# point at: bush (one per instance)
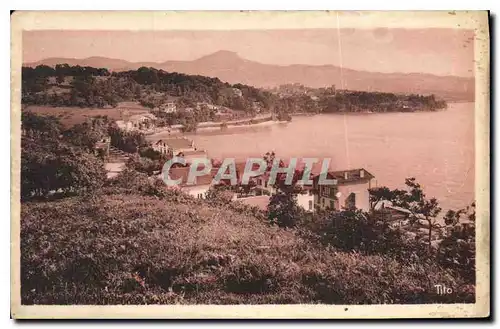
(136, 249)
(50, 166)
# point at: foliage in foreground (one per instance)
(157, 246)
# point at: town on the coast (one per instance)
(99, 225)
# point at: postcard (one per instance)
(246, 164)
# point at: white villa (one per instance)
(168, 107)
(137, 122)
(174, 146)
(350, 190)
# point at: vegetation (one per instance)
(415, 201)
(97, 88)
(127, 141)
(132, 240)
(299, 99)
(140, 243)
(78, 86)
(52, 163)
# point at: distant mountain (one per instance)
(230, 67)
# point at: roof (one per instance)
(177, 143)
(240, 169)
(386, 204)
(353, 175)
(183, 173)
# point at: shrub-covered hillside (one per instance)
(131, 248)
(75, 86)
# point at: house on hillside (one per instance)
(209, 106)
(257, 107)
(237, 92)
(168, 107)
(143, 121)
(261, 187)
(306, 199)
(160, 146)
(201, 185)
(349, 190)
(125, 125)
(174, 146)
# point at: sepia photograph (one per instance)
(250, 164)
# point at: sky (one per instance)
(434, 51)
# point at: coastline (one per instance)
(258, 122)
(216, 126)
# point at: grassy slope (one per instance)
(131, 249)
(69, 116)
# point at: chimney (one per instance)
(362, 173)
(346, 175)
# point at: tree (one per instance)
(383, 193)
(127, 141)
(220, 193)
(88, 133)
(283, 208)
(457, 250)
(33, 124)
(50, 166)
(60, 79)
(414, 200)
(144, 165)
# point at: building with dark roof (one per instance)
(174, 146)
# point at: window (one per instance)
(350, 201)
(310, 204)
(325, 191)
(332, 204)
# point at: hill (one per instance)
(126, 248)
(230, 67)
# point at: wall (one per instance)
(360, 189)
(182, 149)
(362, 195)
(303, 201)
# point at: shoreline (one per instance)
(262, 122)
(214, 127)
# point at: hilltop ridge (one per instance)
(230, 67)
